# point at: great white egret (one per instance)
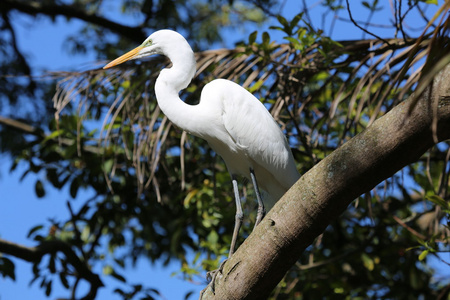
(235, 123)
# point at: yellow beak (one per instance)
(127, 56)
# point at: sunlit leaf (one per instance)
(368, 262)
(439, 201)
(108, 270)
(423, 254)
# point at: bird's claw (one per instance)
(211, 277)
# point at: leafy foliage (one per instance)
(160, 193)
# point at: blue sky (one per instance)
(43, 41)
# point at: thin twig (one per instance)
(363, 29)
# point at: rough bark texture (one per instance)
(322, 194)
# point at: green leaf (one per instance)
(34, 229)
(48, 288)
(296, 20)
(256, 86)
(423, 254)
(430, 1)
(39, 189)
(276, 28)
(74, 187)
(213, 237)
(85, 233)
(53, 178)
(439, 201)
(126, 84)
(7, 268)
(63, 279)
(283, 21)
(53, 135)
(265, 38)
(188, 199)
(51, 264)
(295, 43)
(368, 262)
(108, 270)
(118, 276)
(107, 165)
(285, 24)
(252, 37)
(120, 262)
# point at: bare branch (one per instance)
(34, 255)
(135, 34)
(19, 126)
(363, 29)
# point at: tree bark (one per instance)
(393, 141)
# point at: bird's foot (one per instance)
(259, 216)
(211, 277)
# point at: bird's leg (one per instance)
(261, 210)
(238, 217)
(237, 225)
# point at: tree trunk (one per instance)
(322, 194)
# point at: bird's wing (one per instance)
(254, 130)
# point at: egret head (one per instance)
(159, 42)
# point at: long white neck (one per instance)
(168, 85)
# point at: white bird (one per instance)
(235, 123)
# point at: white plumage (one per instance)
(236, 124)
(246, 136)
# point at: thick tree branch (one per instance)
(322, 194)
(35, 254)
(135, 34)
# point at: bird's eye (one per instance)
(148, 43)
